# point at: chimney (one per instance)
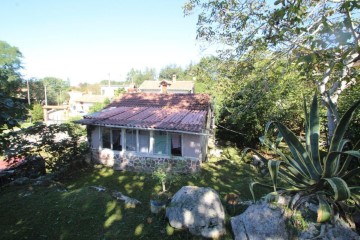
(174, 77)
(163, 86)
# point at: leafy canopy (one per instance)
(13, 110)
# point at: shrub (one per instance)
(166, 174)
(59, 145)
(313, 175)
(36, 113)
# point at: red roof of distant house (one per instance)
(181, 112)
(14, 161)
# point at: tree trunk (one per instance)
(163, 186)
(331, 124)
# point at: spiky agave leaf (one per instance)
(294, 144)
(299, 153)
(351, 173)
(294, 178)
(273, 166)
(349, 158)
(278, 140)
(339, 187)
(253, 183)
(336, 164)
(272, 197)
(355, 194)
(331, 160)
(246, 150)
(314, 135)
(266, 142)
(324, 210)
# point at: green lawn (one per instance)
(73, 210)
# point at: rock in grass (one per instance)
(260, 221)
(129, 202)
(20, 181)
(199, 210)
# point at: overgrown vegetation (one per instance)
(312, 173)
(73, 210)
(59, 145)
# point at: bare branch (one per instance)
(354, 33)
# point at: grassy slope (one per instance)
(80, 212)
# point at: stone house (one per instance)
(138, 131)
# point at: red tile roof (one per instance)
(182, 112)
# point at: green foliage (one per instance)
(93, 88)
(13, 111)
(320, 37)
(80, 212)
(119, 91)
(253, 93)
(323, 176)
(168, 71)
(10, 65)
(59, 145)
(56, 90)
(137, 77)
(166, 174)
(98, 106)
(349, 96)
(36, 112)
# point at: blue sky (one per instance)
(85, 40)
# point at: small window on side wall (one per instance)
(175, 141)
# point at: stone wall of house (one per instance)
(136, 163)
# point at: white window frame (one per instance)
(151, 142)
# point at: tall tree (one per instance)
(206, 74)
(137, 77)
(56, 90)
(12, 109)
(168, 71)
(251, 95)
(321, 36)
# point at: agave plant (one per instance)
(312, 174)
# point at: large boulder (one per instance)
(199, 210)
(260, 221)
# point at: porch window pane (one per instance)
(144, 141)
(160, 142)
(130, 140)
(116, 140)
(175, 144)
(106, 138)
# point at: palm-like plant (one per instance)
(311, 174)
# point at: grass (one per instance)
(73, 210)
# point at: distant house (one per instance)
(166, 86)
(110, 91)
(55, 114)
(80, 103)
(138, 131)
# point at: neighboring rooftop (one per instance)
(90, 98)
(178, 112)
(172, 86)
